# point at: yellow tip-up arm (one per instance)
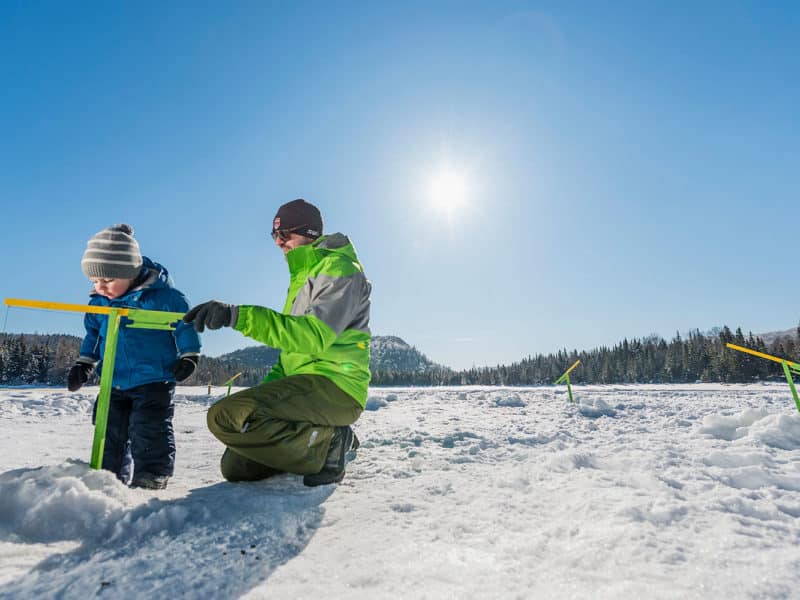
(82, 308)
(793, 365)
(143, 319)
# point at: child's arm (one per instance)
(89, 354)
(90, 348)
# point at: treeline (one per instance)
(698, 357)
(33, 359)
(36, 359)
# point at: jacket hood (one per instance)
(157, 276)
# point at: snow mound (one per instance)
(733, 427)
(65, 502)
(235, 535)
(73, 502)
(573, 461)
(731, 460)
(512, 401)
(35, 403)
(759, 478)
(659, 513)
(778, 431)
(595, 408)
(374, 403)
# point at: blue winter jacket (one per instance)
(143, 355)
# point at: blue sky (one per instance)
(629, 167)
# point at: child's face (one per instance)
(111, 288)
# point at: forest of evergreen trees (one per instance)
(32, 359)
(697, 357)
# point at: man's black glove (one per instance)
(78, 375)
(184, 367)
(213, 315)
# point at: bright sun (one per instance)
(448, 191)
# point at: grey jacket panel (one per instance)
(340, 302)
(333, 241)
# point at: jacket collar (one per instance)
(302, 258)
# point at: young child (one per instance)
(148, 361)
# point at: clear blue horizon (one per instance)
(517, 177)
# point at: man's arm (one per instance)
(329, 310)
(306, 334)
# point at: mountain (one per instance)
(771, 336)
(254, 357)
(387, 352)
(768, 337)
(391, 353)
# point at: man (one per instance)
(298, 419)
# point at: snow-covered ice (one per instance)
(645, 491)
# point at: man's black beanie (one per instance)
(299, 216)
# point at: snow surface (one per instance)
(689, 491)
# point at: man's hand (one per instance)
(78, 375)
(213, 315)
(184, 367)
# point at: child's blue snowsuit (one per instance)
(141, 408)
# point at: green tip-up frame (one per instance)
(789, 367)
(138, 318)
(565, 379)
(230, 381)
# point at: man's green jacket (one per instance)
(324, 327)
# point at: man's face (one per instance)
(290, 241)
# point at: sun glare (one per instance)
(448, 191)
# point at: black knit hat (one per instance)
(300, 217)
(113, 254)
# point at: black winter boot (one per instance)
(149, 481)
(343, 442)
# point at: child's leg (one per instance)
(116, 456)
(126, 470)
(151, 433)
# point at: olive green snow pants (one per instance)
(283, 425)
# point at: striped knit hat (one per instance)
(112, 254)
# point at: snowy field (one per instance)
(689, 491)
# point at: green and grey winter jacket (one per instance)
(324, 327)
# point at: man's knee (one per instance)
(223, 417)
(212, 419)
(229, 414)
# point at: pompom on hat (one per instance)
(112, 253)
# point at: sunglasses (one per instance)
(285, 234)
